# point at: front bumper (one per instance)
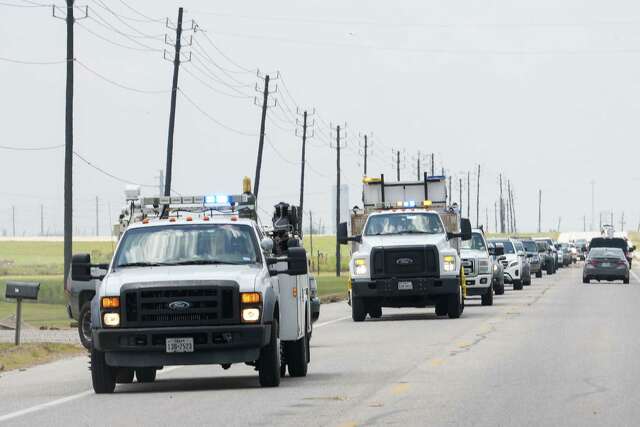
(535, 267)
(512, 274)
(478, 285)
(143, 347)
(388, 288)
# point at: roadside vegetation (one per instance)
(26, 355)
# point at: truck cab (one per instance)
(478, 267)
(406, 250)
(193, 280)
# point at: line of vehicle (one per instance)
(62, 401)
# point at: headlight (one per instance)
(360, 266)
(484, 266)
(250, 315)
(513, 264)
(449, 263)
(495, 267)
(111, 319)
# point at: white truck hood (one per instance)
(369, 242)
(245, 275)
(472, 253)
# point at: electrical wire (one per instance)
(109, 174)
(120, 85)
(204, 83)
(216, 121)
(211, 60)
(216, 78)
(45, 148)
(282, 157)
(137, 12)
(206, 73)
(231, 61)
(19, 61)
(105, 23)
(89, 30)
(119, 17)
(2, 3)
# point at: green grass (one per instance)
(38, 258)
(38, 315)
(326, 245)
(331, 287)
(12, 357)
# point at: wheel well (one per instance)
(85, 296)
(276, 312)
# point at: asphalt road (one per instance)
(557, 353)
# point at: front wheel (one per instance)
(625, 280)
(84, 325)
(487, 297)
(296, 356)
(455, 305)
(442, 305)
(517, 285)
(539, 274)
(358, 309)
(103, 376)
(269, 362)
(499, 288)
(586, 280)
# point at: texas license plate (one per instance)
(605, 264)
(405, 286)
(179, 345)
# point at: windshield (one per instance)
(508, 246)
(476, 243)
(409, 223)
(530, 246)
(188, 244)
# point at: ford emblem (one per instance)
(179, 305)
(404, 261)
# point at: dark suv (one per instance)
(546, 256)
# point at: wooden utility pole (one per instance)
(469, 194)
(172, 108)
(478, 199)
(265, 100)
(304, 146)
(13, 220)
(502, 212)
(433, 164)
(398, 164)
(68, 145)
(97, 218)
(337, 147)
(460, 183)
(42, 220)
(539, 211)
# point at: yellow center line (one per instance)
(399, 389)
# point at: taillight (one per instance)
(621, 262)
(594, 262)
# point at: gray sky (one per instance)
(544, 91)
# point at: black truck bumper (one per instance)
(424, 291)
(144, 347)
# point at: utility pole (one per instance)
(68, 144)
(539, 211)
(469, 194)
(600, 223)
(513, 210)
(418, 166)
(502, 224)
(478, 199)
(611, 222)
(584, 223)
(311, 234)
(398, 164)
(450, 193)
(622, 222)
(593, 205)
(559, 221)
(495, 216)
(460, 183)
(97, 218)
(486, 213)
(337, 147)
(265, 100)
(13, 220)
(304, 146)
(172, 111)
(433, 164)
(366, 150)
(161, 182)
(42, 220)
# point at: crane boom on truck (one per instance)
(406, 248)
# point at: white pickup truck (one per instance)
(478, 267)
(406, 249)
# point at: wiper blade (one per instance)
(206, 262)
(413, 232)
(142, 264)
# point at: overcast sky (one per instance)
(545, 92)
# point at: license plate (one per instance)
(405, 286)
(179, 345)
(605, 264)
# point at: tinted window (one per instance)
(530, 246)
(508, 246)
(476, 243)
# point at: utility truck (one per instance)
(194, 280)
(406, 248)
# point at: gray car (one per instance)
(606, 264)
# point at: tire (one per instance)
(487, 297)
(517, 285)
(375, 312)
(539, 274)
(586, 280)
(455, 305)
(269, 363)
(124, 375)
(499, 289)
(296, 356)
(84, 325)
(103, 376)
(625, 280)
(358, 309)
(146, 375)
(442, 306)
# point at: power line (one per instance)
(204, 83)
(214, 63)
(2, 3)
(106, 24)
(45, 148)
(216, 121)
(109, 174)
(120, 85)
(225, 56)
(20, 61)
(137, 12)
(95, 34)
(119, 17)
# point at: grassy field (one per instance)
(12, 357)
(38, 315)
(331, 287)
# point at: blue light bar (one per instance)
(217, 200)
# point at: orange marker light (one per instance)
(250, 297)
(145, 221)
(205, 218)
(234, 218)
(189, 218)
(172, 219)
(110, 302)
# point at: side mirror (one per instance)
(83, 271)
(502, 258)
(491, 250)
(297, 261)
(465, 229)
(343, 235)
(267, 245)
(521, 253)
(499, 251)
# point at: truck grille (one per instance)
(469, 267)
(188, 304)
(408, 261)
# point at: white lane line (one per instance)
(331, 322)
(63, 400)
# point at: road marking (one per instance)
(330, 322)
(437, 362)
(399, 389)
(348, 424)
(62, 400)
